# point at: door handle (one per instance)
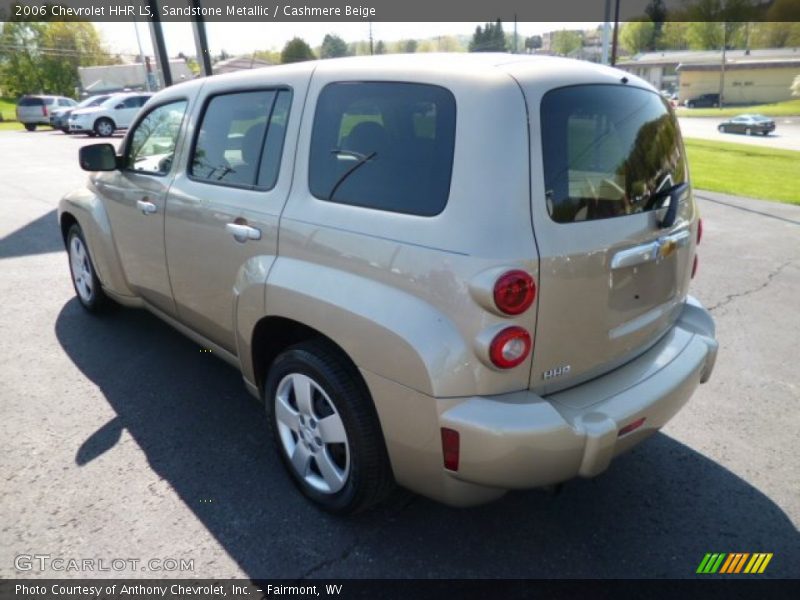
(147, 207)
(242, 233)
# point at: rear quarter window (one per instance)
(608, 150)
(384, 145)
(31, 102)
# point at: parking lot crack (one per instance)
(731, 297)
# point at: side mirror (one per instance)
(98, 157)
(119, 106)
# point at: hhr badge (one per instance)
(557, 372)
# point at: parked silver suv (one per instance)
(463, 274)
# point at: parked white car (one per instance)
(118, 112)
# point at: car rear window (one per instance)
(608, 150)
(384, 145)
(31, 101)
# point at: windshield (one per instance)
(92, 101)
(608, 151)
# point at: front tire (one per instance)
(104, 127)
(84, 277)
(748, 131)
(326, 430)
(722, 129)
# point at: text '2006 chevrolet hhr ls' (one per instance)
(463, 274)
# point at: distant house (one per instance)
(239, 63)
(117, 78)
(750, 76)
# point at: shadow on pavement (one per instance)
(656, 512)
(37, 237)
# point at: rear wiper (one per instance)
(674, 192)
(362, 159)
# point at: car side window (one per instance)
(240, 139)
(153, 141)
(384, 145)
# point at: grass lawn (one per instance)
(8, 108)
(745, 170)
(779, 109)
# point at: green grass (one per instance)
(745, 170)
(779, 109)
(8, 109)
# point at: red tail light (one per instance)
(514, 292)
(450, 448)
(510, 347)
(44, 110)
(699, 230)
(694, 266)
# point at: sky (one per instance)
(244, 38)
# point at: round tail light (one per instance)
(514, 292)
(510, 347)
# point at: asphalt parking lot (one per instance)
(120, 439)
(786, 135)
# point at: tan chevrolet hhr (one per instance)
(463, 274)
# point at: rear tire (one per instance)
(84, 277)
(104, 127)
(30, 126)
(722, 129)
(326, 430)
(748, 131)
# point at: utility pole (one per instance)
(201, 39)
(616, 34)
(141, 56)
(722, 63)
(371, 46)
(606, 31)
(160, 47)
(515, 33)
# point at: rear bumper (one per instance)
(521, 440)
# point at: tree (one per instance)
(380, 47)
(774, 35)
(637, 36)
(566, 42)
(409, 46)
(657, 13)
(533, 42)
(489, 38)
(43, 57)
(333, 47)
(673, 36)
(296, 50)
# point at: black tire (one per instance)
(368, 478)
(104, 127)
(765, 133)
(690, 105)
(95, 300)
(722, 129)
(748, 131)
(30, 126)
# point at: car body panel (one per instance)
(39, 113)
(408, 298)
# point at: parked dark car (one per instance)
(703, 101)
(748, 124)
(59, 119)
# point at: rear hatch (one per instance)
(612, 280)
(33, 109)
